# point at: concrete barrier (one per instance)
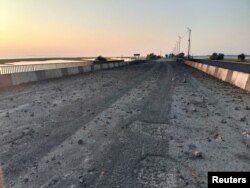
(20, 78)
(97, 67)
(111, 65)
(26, 77)
(236, 78)
(105, 66)
(56, 73)
(73, 71)
(5, 80)
(87, 68)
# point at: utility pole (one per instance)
(179, 44)
(177, 48)
(189, 42)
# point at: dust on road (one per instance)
(158, 124)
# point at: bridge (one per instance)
(143, 124)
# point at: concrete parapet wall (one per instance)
(97, 67)
(105, 66)
(87, 68)
(111, 65)
(239, 79)
(73, 71)
(26, 77)
(19, 78)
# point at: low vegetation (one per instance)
(216, 56)
(152, 56)
(100, 60)
(241, 57)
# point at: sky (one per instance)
(46, 28)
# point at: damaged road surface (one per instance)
(153, 125)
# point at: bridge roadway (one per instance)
(158, 124)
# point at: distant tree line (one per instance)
(241, 57)
(216, 56)
(180, 55)
(152, 56)
(220, 56)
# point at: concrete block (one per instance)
(64, 71)
(247, 87)
(105, 66)
(229, 76)
(87, 68)
(222, 74)
(216, 71)
(5, 80)
(54, 73)
(97, 67)
(73, 70)
(111, 65)
(80, 69)
(40, 75)
(204, 68)
(211, 70)
(24, 77)
(241, 79)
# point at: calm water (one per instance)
(42, 62)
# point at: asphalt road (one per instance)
(235, 66)
(153, 125)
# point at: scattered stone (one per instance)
(245, 133)
(219, 138)
(129, 112)
(247, 108)
(26, 180)
(26, 131)
(32, 114)
(80, 142)
(7, 114)
(81, 180)
(194, 110)
(105, 85)
(197, 154)
(237, 108)
(243, 119)
(53, 158)
(54, 105)
(223, 121)
(180, 146)
(209, 140)
(184, 80)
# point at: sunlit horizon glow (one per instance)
(62, 28)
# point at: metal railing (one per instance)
(9, 69)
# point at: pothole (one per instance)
(156, 130)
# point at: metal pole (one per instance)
(189, 42)
(179, 44)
